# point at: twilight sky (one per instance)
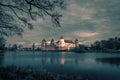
(87, 20)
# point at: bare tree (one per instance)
(16, 14)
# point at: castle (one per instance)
(61, 44)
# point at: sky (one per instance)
(86, 20)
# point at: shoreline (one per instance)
(90, 51)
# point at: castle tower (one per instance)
(52, 43)
(76, 43)
(61, 42)
(43, 43)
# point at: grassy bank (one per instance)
(25, 73)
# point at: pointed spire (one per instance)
(76, 40)
(52, 40)
(43, 40)
(61, 37)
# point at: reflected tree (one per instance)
(111, 60)
(1, 57)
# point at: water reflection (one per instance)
(1, 57)
(89, 60)
(110, 60)
(62, 59)
(95, 65)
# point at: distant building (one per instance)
(76, 43)
(43, 43)
(52, 43)
(46, 46)
(65, 44)
(61, 44)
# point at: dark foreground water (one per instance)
(95, 66)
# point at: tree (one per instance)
(14, 47)
(15, 15)
(110, 44)
(33, 46)
(2, 43)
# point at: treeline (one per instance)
(109, 45)
(112, 44)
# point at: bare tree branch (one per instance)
(29, 9)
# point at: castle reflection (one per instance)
(59, 58)
(62, 59)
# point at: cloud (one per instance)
(21, 43)
(77, 13)
(85, 33)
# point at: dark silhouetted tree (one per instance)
(14, 47)
(110, 44)
(2, 43)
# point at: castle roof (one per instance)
(69, 41)
(76, 40)
(52, 40)
(61, 37)
(43, 40)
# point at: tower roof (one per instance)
(76, 40)
(61, 37)
(69, 41)
(52, 40)
(43, 40)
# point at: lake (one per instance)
(96, 66)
